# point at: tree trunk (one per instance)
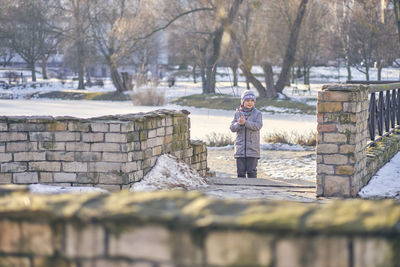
(44, 71)
(247, 83)
(234, 69)
(81, 65)
(203, 79)
(116, 79)
(88, 80)
(269, 79)
(379, 73)
(367, 72)
(348, 68)
(211, 69)
(291, 47)
(33, 71)
(194, 73)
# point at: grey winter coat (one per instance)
(247, 142)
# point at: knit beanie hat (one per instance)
(247, 94)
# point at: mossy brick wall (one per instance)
(177, 228)
(342, 114)
(381, 153)
(110, 152)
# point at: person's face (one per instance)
(249, 103)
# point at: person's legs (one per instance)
(251, 167)
(241, 167)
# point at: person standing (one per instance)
(247, 123)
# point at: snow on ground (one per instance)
(170, 173)
(52, 189)
(386, 182)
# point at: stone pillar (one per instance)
(342, 114)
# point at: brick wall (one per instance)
(110, 152)
(342, 114)
(187, 229)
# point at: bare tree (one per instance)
(26, 25)
(311, 37)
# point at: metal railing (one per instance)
(384, 109)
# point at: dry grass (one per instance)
(148, 96)
(309, 139)
(217, 140)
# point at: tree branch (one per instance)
(172, 21)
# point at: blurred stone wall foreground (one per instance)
(177, 228)
(110, 152)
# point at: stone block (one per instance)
(87, 156)
(326, 107)
(5, 157)
(337, 186)
(113, 178)
(53, 146)
(146, 243)
(371, 252)
(41, 136)
(156, 151)
(3, 127)
(78, 127)
(46, 177)
(115, 127)
(104, 167)
(87, 242)
(131, 166)
(345, 170)
(2, 147)
(346, 149)
(160, 131)
(67, 136)
(14, 167)
(13, 136)
(108, 147)
(169, 130)
(10, 236)
(92, 137)
(238, 249)
(336, 96)
(99, 127)
(17, 261)
(87, 178)
(136, 155)
(334, 138)
(77, 146)
(115, 157)
(352, 107)
(62, 177)
(115, 138)
(26, 127)
(20, 146)
(56, 126)
(59, 156)
(127, 127)
(326, 128)
(75, 166)
(5, 178)
(327, 148)
(25, 178)
(45, 166)
(36, 239)
(335, 159)
(152, 133)
(29, 156)
(325, 169)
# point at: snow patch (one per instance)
(170, 173)
(386, 182)
(52, 189)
